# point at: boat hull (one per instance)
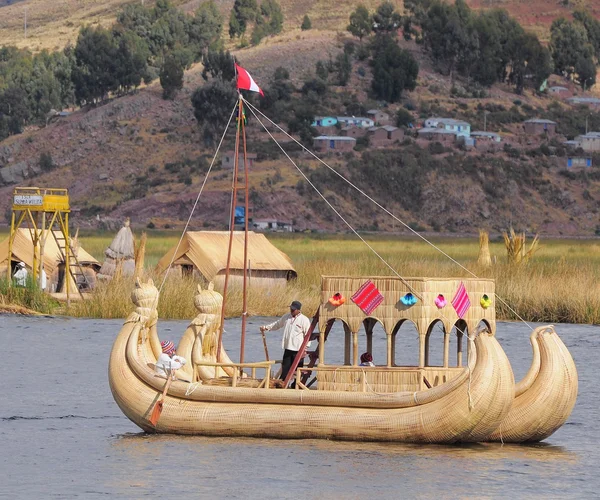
(466, 408)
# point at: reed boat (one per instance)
(473, 400)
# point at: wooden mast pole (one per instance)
(231, 228)
(246, 215)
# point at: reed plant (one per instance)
(29, 296)
(562, 283)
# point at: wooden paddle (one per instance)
(158, 407)
(265, 344)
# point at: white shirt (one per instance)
(43, 280)
(295, 328)
(20, 276)
(165, 364)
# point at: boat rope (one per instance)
(194, 206)
(256, 111)
(191, 388)
(413, 291)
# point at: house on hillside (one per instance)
(589, 141)
(578, 162)
(324, 121)
(559, 91)
(485, 141)
(272, 225)
(459, 127)
(539, 126)
(203, 254)
(379, 117)
(384, 136)
(437, 134)
(355, 132)
(228, 160)
(328, 143)
(591, 102)
(355, 121)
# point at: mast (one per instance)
(242, 127)
(234, 190)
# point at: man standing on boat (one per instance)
(295, 325)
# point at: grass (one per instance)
(560, 284)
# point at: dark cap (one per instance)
(296, 305)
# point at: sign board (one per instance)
(29, 200)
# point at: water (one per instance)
(62, 435)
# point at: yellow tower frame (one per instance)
(41, 209)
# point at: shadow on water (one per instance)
(136, 443)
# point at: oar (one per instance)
(265, 344)
(158, 407)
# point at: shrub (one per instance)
(306, 23)
(46, 162)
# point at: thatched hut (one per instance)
(120, 255)
(203, 254)
(54, 265)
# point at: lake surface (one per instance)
(63, 436)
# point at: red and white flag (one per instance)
(245, 81)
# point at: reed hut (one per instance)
(203, 255)
(54, 264)
(120, 255)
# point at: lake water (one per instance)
(63, 436)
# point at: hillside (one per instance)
(51, 25)
(142, 156)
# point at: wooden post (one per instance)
(322, 346)
(347, 335)
(246, 215)
(421, 350)
(459, 349)
(426, 347)
(446, 347)
(390, 350)
(355, 348)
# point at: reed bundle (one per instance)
(484, 259)
(515, 247)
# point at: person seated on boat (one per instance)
(168, 362)
(295, 326)
(366, 359)
(20, 275)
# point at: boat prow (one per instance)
(545, 397)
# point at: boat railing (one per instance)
(238, 372)
(375, 378)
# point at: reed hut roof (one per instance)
(120, 254)
(122, 246)
(23, 251)
(207, 250)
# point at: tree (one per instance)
(360, 22)
(213, 104)
(218, 64)
(306, 24)
(94, 74)
(321, 71)
(386, 20)
(592, 28)
(271, 11)
(586, 72)
(568, 44)
(171, 77)
(242, 12)
(394, 70)
(403, 118)
(343, 65)
(205, 28)
(131, 59)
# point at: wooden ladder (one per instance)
(302, 351)
(78, 275)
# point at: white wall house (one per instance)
(461, 128)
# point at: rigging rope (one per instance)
(194, 206)
(375, 202)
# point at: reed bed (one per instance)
(561, 282)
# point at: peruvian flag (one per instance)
(245, 81)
